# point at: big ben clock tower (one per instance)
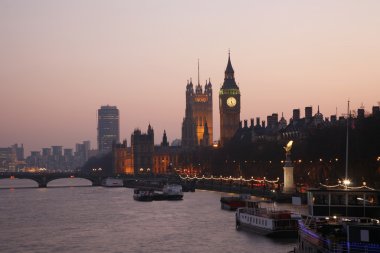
(229, 105)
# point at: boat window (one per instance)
(338, 199)
(364, 235)
(371, 200)
(354, 199)
(320, 199)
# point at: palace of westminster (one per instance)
(197, 130)
(142, 156)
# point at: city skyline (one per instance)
(77, 56)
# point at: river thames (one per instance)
(64, 218)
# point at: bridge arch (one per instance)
(69, 181)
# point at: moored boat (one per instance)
(143, 194)
(341, 219)
(112, 182)
(267, 221)
(172, 192)
(233, 202)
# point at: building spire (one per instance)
(229, 70)
(198, 71)
(229, 75)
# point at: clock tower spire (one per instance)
(229, 104)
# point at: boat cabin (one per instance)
(348, 202)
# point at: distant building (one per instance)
(108, 128)
(12, 158)
(46, 151)
(143, 157)
(82, 153)
(19, 151)
(376, 111)
(361, 113)
(122, 159)
(57, 150)
(296, 115)
(7, 159)
(229, 105)
(308, 113)
(198, 114)
(142, 147)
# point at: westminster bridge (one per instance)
(262, 187)
(44, 178)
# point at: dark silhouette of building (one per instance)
(229, 105)
(308, 113)
(143, 157)
(376, 111)
(198, 114)
(164, 142)
(122, 159)
(296, 115)
(142, 147)
(108, 128)
(361, 113)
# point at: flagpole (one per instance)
(348, 117)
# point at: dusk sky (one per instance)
(61, 60)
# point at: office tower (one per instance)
(108, 128)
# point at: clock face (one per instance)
(231, 101)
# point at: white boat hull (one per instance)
(112, 182)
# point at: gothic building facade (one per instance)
(197, 126)
(143, 157)
(229, 105)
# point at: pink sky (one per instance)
(61, 60)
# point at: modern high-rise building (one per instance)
(108, 128)
(197, 126)
(229, 105)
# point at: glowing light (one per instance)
(346, 182)
(230, 178)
